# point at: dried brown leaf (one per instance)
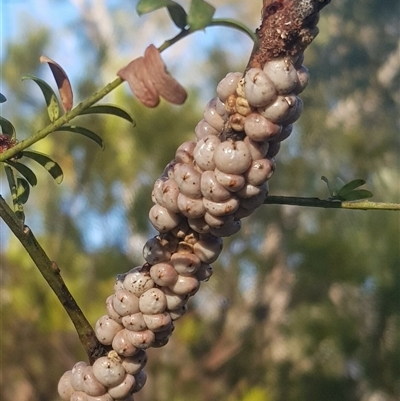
(139, 81)
(63, 82)
(169, 88)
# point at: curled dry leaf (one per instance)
(137, 77)
(148, 79)
(63, 82)
(166, 85)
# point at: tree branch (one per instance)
(330, 203)
(51, 274)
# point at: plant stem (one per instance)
(230, 23)
(51, 274)
(60, 121)
(330, 204)
(182, 34)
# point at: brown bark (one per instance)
(287, 28)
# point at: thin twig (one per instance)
(51, 274)
(57, 124)
(168, 43)
(330, 203)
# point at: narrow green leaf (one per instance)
(2, 98)
(178, 15)
(147, 6)
(330, 189)
(350, 186)
(357, 194)
(26, 172)
(23, 190)
(7, 128)
(85, 132)
(338, 183)
(63, 82)
(230, 23)
(200, 14)
(53, 106)
(50, 165)
(108, 109)
(13, 184)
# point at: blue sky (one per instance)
(41, 11)
(19, 16)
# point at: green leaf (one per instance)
(323, 178)
(85, 132)
(108, 109)
(13, 184)
(176, 11)
(53, 106)
(357, 194)
(339, 183)
(26, 172)
(350, 186)
(230, 23)
(178, 15)
(2, 98)
(23, 190)
(148, 6)
(330, 188)
(200, 14)
(7, 128)
(50, 165)
(63, 82)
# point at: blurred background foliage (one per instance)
(304, 304)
